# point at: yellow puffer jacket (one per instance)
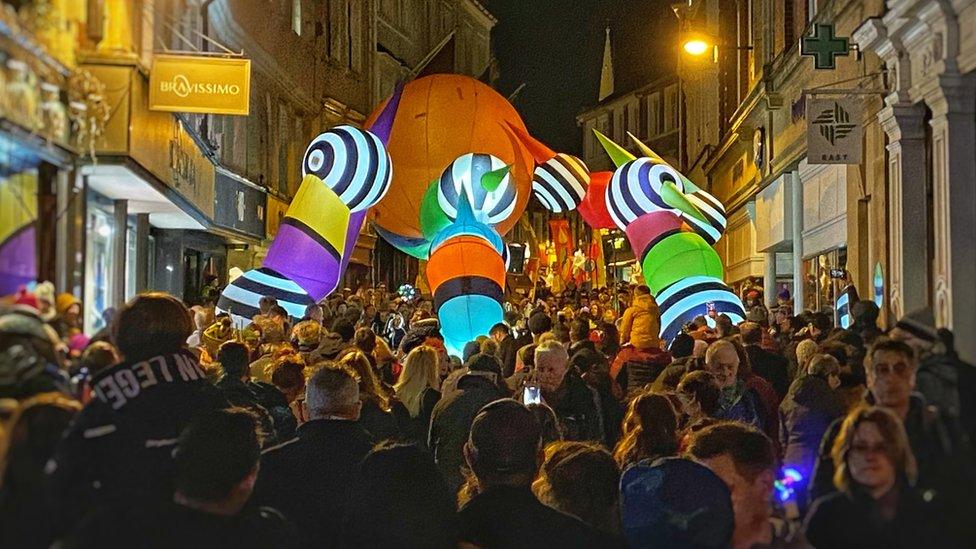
(641, 324)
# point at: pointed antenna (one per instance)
(465, 214)
(540, 152)
(677, 200)
(491, 180)
(645, 150)
(382, 127)
(618, 154)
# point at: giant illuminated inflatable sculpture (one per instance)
(671, 225)
(345, 171)
(466, 270)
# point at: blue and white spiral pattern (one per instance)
(560, 183)
(242, 296)
(464, 175)
(714, 212)
(635, 189)
(353, 163)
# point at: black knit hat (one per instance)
(505, 438)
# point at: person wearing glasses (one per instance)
(943, 456)
(876, 504)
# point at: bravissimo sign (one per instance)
(212, 85)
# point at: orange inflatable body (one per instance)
(439, 118)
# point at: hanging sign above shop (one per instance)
(834, 131)
(199, 84)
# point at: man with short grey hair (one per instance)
(310, 477)
(576, 404)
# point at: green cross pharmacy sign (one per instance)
(823, 46)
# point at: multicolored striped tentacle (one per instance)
(346, 170)
(466, 269)
(671, 225)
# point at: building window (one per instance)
(655, 122)
(296, 16)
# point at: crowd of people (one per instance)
(570, 424)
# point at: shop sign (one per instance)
(212, 85)
(239, 205)
(835, 131)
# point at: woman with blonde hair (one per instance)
(876, 505)
(377, 416)
(650, 430)
(417, 390)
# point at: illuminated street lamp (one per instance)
(695, 46)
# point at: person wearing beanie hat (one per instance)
(451, 419)
(31, 355)
(939, 367)
(45, 296)
(68, 320)
(504, 452)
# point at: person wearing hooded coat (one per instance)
(807, 411)
(452, 416)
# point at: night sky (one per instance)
(555, 47)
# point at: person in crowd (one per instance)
(280, 315)
(377, 416)
(216, 458)
(641, 322)
(314, 313)
(724, 327)
(32, 357)
(417, 389)
(287, 374)
(745, 459)
(865, 321)
(239, 390)
(36, 425)
(504, 453)
(876, 504)
(941, 373)
(579, 337)
(650, 431)
(700, 396)
(401, 500)
(140, 407)
(641, 359)
(804, 351)
(594, 368)
(581, 479)
(96, 358)
(737, 401)
(272, 342)
(265, 304)
(660, 510)
(576, 404)
(68, 321)
(451, 418)
(507, 347)
(311, 478)
(770, 366)
(548, 423)
(810, 406)
(944, 461)
(201, 319)
(365, 340)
